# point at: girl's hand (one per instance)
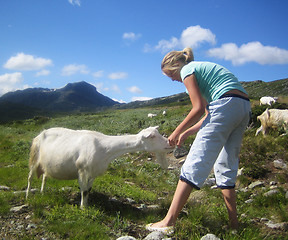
(181, 139)
(173, 139)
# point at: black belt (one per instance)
(234, 95)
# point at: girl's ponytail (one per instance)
(188, 54)
(171, 61)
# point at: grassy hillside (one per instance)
(258, 89)
(17, 111)
(135, 191)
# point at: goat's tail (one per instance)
(35, 154)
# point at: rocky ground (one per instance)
(19, 223)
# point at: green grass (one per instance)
(110, 215)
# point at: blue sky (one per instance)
(118, 45)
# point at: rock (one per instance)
(249, 201)
(180, 152)
(271, 192)
(4, 188)
(279, 164)
(114, 199)
(30, 226)
(273, 183)
(264, 220)
(154, 236)
(153, 206)
(240, 171)
(209, 182)
(171, 167)
(243, 215)
(126, 238)
(69, 189)
(243, 190)
(20, 227)
(24, 191)
(280, 226)
(9, 166)
(256, 184)
(210, 236)
(130, 200)
(19, 208)
(182, 161)
(142, 207)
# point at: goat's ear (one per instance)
(268, 113)
(148, 134)
(156, 127)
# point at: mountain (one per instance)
(74, 97)
(179, 99)
(83, 97)
(79, 96)
(258, 89)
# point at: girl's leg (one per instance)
(181, 195)
(229, 196)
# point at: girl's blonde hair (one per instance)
(171, 61)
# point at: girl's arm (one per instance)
(197, 111)
(192, 130)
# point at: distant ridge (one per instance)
(256, 90)
(84, 97)
(74, 97)
(259, 88)
(79, 96)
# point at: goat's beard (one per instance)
(162, 160)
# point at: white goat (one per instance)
(70, 154)
(272, 118)
(151, 115)
(267, 100)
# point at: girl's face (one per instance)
(174, 75)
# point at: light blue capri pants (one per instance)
(218, 143)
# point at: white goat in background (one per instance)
(151, 115)
(70, 154)
(268, 100)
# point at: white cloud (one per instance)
(98, 74)
(99, 86)
(118, 75)
(44, 72)
(195, 35)
(131, 36)
(192, 36)
(44, 82)
(141, 98)
(147, 48)
(166, 45)
(73, 69)
(10, 82)
(115, 88)
(75, 2)
(24, 62)
(120, 101)
(250, 52)
(134, 89)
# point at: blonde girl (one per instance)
(219, 115)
